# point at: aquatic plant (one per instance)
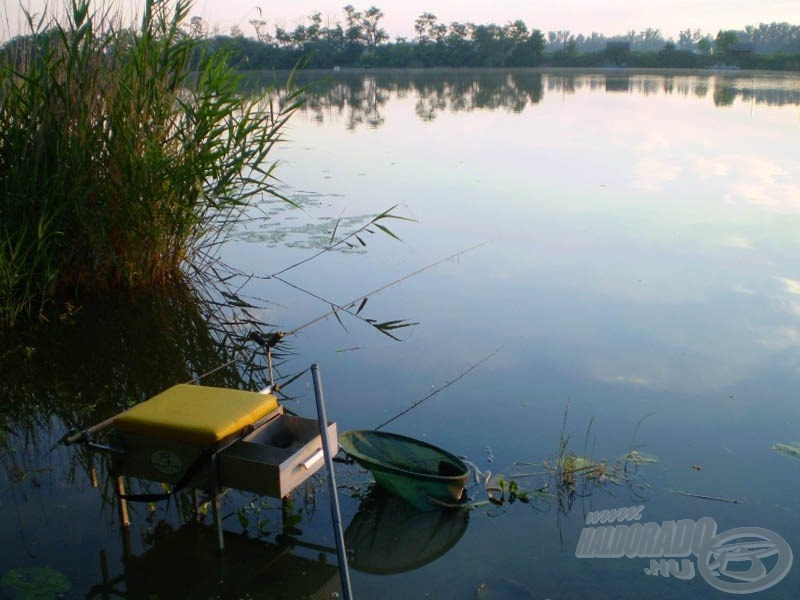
(791, 450)
(565, 477)
(34, 583)
(125, 154)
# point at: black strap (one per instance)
(194, 468)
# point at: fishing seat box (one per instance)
(172, 437)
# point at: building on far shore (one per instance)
(741, 48)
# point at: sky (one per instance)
(609, 17)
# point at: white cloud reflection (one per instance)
(764, 184)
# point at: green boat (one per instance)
(423, 475)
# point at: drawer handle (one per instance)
(314, 459)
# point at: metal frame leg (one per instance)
(215, 501)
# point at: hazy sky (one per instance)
(609, 17)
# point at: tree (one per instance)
(528, 52)
(688, 39)
(352, 31)
(260, 27)
(725, 39)
(564, 36)
(516, 32)
(283, 37)
(650, 39)
(428, 30)
(458, 49)
(197, 28)
(370, 27)
(489, 45)
(314, 30)
(704, 45)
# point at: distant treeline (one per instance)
(359, 40)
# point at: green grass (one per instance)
(122, 162)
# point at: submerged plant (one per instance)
(33, 583)
(565, 477)
(124, 154)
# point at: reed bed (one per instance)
(125, 154)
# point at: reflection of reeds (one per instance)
(569, 475)
(118, 165)
(119, 349)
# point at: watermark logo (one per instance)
(739, 561)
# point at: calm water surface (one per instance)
(637, 270)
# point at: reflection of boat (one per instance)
(388, 535)
(422, 474)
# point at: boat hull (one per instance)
(424, 475)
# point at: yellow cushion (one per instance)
(196, 414)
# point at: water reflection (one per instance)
(117, 350)
(360, 98)
(186, 564)
(648, 263)
(113, 352)
(387, 535)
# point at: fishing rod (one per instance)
(272, 340)
(361, 299)
(439, 389)
(387, 214)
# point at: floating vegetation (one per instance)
(791, 450)
(500, 490)
(567, 476)
(34, 583)
(502, 589)
(705, 497)
(638, 458)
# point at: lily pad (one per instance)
(34, 583)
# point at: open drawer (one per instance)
(277, 457)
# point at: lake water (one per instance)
(628, 265)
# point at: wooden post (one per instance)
(124, 519)
(196, 508)
(284, 513)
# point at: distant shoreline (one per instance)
(344, 71)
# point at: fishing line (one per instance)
(276, 337)
(387, 214)
(347, 305)
(440, 388)
(197, 378)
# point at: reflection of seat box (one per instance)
(177, 430)
(277, 457)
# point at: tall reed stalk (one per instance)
(120, 165)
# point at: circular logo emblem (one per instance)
(166, 462)
(744, 560)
